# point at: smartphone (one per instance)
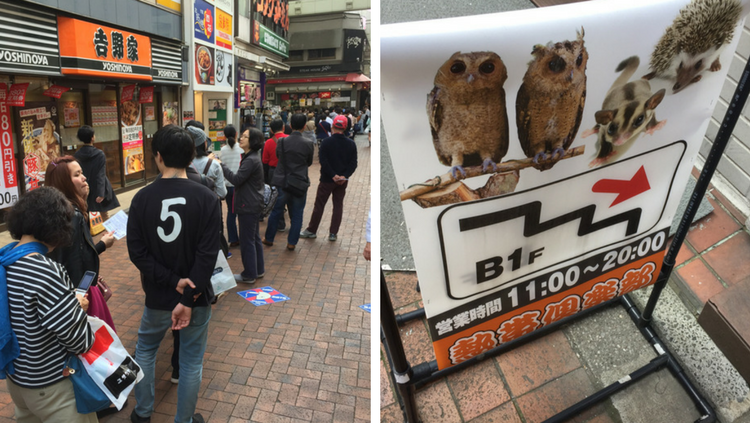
(86, 281)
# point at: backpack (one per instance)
(270, 194)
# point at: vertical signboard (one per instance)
(270, 28)
(9, 183)
(204, 18)
(217, 119)
(132, 133)
(39, 138)
(562, 155)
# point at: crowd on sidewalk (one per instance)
(175, 230)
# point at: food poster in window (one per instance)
(9, 181)
(204, 65)
(217, 120)
(40, 140)
(132, 133)
(71, 114)
(549, 169)
(171, 113)
(223, 73)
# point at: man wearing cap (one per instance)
(338, 161)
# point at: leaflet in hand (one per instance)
(118, 223)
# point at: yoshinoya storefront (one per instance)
(122, 83)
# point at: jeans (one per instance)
(231, 217)
(154, 324)
(325, 190)
(251, 247)
(296, 207)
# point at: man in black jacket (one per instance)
(94, 165)
(338, 161)
(295, 154)
(173, 239)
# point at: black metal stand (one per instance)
(407, 379)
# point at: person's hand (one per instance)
(366, 253)
(182, 283)
(339, 180)
(83, 301)
(109, 239)
(99, 199)
(181, 317)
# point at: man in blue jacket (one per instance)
(338, 161)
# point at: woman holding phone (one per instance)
(65, 174)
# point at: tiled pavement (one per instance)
(543, 377)
(302, 360)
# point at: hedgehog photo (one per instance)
(694, 42)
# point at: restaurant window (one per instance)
(321, 54)
(104, 118)
(72, 117)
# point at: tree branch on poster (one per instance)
(459, 193)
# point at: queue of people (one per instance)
(175, 230)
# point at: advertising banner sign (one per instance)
(223, 29)
(9, 183)
(146, 95)
(132, 135)
(561, 156)
(56, 91)
(204, 16)
(17, 95)
(40, 140)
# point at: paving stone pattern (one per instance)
(302, 360)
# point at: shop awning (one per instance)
(356, 77)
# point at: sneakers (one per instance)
(261, 275)
(307, 234)
(332, 237)
(229, 254)
(175, 376)
(238, 277)
(198, 418)
(135, 418)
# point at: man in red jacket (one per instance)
(270, 160)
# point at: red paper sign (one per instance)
(7, 160)
(56, 91)
(17, 95)
(146, 95)
(127, 93)
(326, 94)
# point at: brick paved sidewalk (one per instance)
(306, 359)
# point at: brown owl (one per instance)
(467, 111)
(550, 101)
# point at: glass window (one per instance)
(321, 53)
(104, 118)
(72, 117)
(296, 55)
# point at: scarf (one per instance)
(9, 349)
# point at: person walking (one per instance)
(173, 240)
(338, 161)
(231, 154)
(248, 204)
(45, 322)
(295, 154)
(94, 164)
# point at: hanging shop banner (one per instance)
(17, 95)
(20, 51)
(132, 136)
(203, 16)
(267, 39)
(39, 138)
(9, 183)
(217, 119)
(224, 28)
(223, 71)
(56, 91)
(204, 64)
(146, 95)
(96, 50)
(127, 93)
(561, 156)
(354, 45)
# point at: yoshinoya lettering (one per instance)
(167, 74)
(117, 67)
(25, 58)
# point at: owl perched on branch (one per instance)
(467, 113)
(550, 101)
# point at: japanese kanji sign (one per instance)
(9, 182)
(204, 19)
(56, 91)
(561, 156)
(97, 50)
(17, 95)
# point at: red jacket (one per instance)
(269, 150)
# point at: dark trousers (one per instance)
(251, 247)
(325, 190)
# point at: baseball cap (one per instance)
(199, 137)
(340, 122)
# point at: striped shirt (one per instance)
(46, 318)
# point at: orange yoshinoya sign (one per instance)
(91, 49)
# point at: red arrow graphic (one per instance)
(625, 189)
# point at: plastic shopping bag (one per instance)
(108, 363)
(222, 278)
